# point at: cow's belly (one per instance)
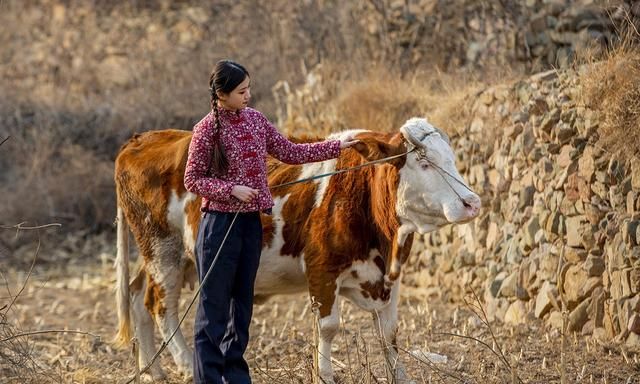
(279, 274)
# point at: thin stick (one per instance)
(3, 141)
(136, 356)
(563, 373)
(344, 338)
(24, 284)
(25, 334)
(316, 340)
(20, 226)
(485, 320)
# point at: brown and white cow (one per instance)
(341, 236)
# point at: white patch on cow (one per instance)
(387, 325)
(144, 331)
(314, 169)
(367, 271)
(329, 327)
(403, 232)
(388, 316)
(322, 167)
(278, 273)
(303, 265)
(177, 217)
(346, 134)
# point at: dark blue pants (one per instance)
(226, 300)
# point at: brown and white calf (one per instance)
(347, 235)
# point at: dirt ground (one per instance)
(280, 351)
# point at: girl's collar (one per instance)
(228, 112)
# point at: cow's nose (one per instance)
(472, 203)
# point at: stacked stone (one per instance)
(559, 29)
(560, 230)
(533, 34)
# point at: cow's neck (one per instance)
(393, 242)
(383, 195)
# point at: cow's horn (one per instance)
(414, 135)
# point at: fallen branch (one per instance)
(3, 141)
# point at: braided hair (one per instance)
(225, 77)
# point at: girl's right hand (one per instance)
(244, 193)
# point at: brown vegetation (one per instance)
(612, 88)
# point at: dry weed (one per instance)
(379, 99)
(611, 87)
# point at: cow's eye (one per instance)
(424, 164)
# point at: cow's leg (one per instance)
(163, 294)
(324, 293)
(386, 322)
(143, 325)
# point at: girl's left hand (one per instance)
(348, 142)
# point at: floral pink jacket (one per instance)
(247, 137)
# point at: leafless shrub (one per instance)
(17, 361)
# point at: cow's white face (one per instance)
(431, 192)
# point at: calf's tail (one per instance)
(122, 279)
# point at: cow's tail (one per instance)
(122, 279)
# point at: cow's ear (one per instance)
(376, 148)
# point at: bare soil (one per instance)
(280, 351)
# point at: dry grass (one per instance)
(611, 87)
(281, 345)
(379, 99)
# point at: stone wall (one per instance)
(560, 228)
(530, 35)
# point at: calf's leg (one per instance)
(144, 328)
(162, 299)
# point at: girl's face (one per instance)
(238, 98)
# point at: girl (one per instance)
(226, 166)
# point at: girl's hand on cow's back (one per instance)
(244, 193)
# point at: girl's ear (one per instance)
(221, 95)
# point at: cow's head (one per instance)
(431, 193)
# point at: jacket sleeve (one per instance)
(284, 150)
(196, 178)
